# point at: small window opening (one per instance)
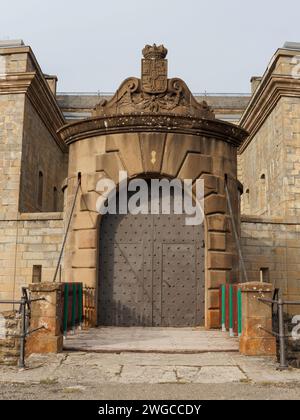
(55, 199)
(265, 275)
(37, 274)
(40, 189)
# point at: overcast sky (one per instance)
(92, 45)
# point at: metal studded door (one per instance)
(151, 271)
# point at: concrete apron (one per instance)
(151, 340)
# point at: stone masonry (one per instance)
(269, 168)
(10, 327)
(29, 118)
(35, 239)
(35, 140)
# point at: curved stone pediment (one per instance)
(132, 98)
(153, 103)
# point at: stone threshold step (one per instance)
(149, 351)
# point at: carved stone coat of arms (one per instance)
(154, 76)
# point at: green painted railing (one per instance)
(72, 307)
(231, 309)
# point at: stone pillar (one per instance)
(48, 314)
(257, 318)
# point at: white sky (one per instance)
(214, 45)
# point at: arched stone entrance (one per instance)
(151, 271)
(154, 126)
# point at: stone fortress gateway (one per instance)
(148, 270)
(154, 270)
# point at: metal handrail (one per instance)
(25, 301)
(229, 94)
(68, 228)
(281, 334)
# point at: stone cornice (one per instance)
(289, 220)
(278, 86)
(36, 89)
(272, 87)
(15, 83)
(31, 217)
(99, 126)
(45, 104)
(16, 50)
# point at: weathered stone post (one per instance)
(257, 321)
(46, 313)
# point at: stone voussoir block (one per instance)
(111, 164)
(84, 258)
(89, 202)
(195, 165)
(213, 299)
(211, 184)
(217, 223)
(87, 239)
(85, 220)
(215, 203)
(213, 319)
(217, 241)
(219, 261)
(215, 279)
(87, 276)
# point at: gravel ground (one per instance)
(135, 376)
(151, 392)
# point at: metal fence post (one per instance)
(283, 363)
(23, 333)
(74, 301)
(224, 308)
(231, 330)
(80, 307)
(66, 310)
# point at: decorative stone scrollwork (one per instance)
(154, 92)
(178, 100)
(153, 103)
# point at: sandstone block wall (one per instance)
(264, 157)
(29, 120)
(274, 245)
(11, 132)
(270, 166)
(35, 239)
(269, 161)
(40, 153)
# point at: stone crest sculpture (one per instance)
(154, 93)
(155, 69)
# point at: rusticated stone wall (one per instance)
(10, 324)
